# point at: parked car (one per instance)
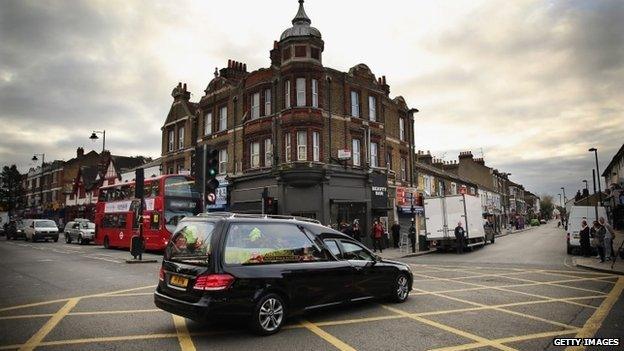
(80, 230)
(542, 221)
(15, 229)
(37, 229)
(266, 269)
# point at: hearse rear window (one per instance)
(191, 242)
(266, 243)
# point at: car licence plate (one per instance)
(178, 281)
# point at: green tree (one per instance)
(546, 206)
(11, 191)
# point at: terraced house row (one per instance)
(326, 144)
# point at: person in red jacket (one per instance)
(378, 232)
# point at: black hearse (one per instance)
(265, 268)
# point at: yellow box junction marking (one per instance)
(184, 338)
(595, 321)
(48, 326)
(339, 344)
(449, 329)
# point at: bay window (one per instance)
(302, 146)
(301, 92)
(316, 146)
(254, 151)
(255, 105)
(287, 147)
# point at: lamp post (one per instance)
(34, 158)
(94, 137)
(564, 197)
(597, 175)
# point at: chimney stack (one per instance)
(79, 152)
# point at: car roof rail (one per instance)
(256, 215)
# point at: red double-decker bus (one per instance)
(168, 198)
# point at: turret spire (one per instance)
(301, 17)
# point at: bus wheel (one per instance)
(106, 244)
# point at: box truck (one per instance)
(442, 215)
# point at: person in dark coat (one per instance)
(348, 230)
(460, 235)
(412, 236)
(584, 233)
(396, 232)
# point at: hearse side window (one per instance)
(332, 245)
(191, 242)
(266, 243)
(355, 252)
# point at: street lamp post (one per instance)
(597, 174)
(94, 137)
(34, 158)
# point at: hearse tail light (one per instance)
(213, 282)
(161, 275)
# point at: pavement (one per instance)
(517, 294)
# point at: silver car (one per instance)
(80, 230)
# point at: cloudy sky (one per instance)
(531, 85)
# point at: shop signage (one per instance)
(379, 191)
(344, 154)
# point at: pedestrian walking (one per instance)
(584, 233)
(347, 229)
(396, 232)
(412, 236)
(459, 237)
(598, 240)
(377, 235)
(608, 239)
(357, 233)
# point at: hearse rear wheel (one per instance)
(268, 315)
(106, 244)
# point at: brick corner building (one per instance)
(326, 144)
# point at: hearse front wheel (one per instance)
(401, 288)
(106, 244)
(268, 315)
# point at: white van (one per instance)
(577, 215)
(37, 229)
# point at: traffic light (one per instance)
(197, 166)
(212, 169)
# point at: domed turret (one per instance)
(301, 26)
